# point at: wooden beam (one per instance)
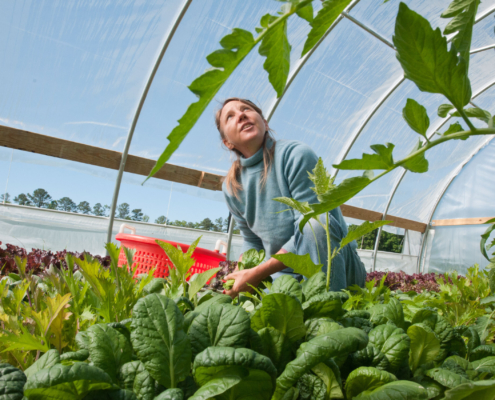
(460, 221)
(73, 151)
(83, 153)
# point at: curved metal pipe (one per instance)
(123, 160)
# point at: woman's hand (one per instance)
(242, 278)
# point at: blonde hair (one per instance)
(232, 179)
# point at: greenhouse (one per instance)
(108, 138)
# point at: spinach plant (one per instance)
(250, 259)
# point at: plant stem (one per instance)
(466, 119)
(329, 247)
(316, 242)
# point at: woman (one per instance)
(265, 169)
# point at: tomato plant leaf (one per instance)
(321, 178)
(418, 163)
(303, 208)
(323, 20)
(306, 12)
(382, 159)
(416, 117)
(276, 48)
(444, 109)
(482, 115)
(426, 61)
(301, 264)
(362, 230)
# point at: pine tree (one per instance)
(40, 198)
(22, 200)
(84, 207)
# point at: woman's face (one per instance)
(244, 129)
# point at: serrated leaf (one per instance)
(181, 261)
(418, 163)
(321, 178)
(426, 61)
(444, 109)
(416, 117)
(301, 264)
(381, 160)
(197, 281)
(323, 20)
(276, 48)
(303, 208)
(362, 230)
(306, 13)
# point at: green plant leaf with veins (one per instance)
(362, 230)
(300, 264)
(416, 117)
(419, 163)
(321, 178)
(381, 160)
(425, 346)
(197, 281)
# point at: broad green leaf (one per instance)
(464, 13)
(159, 340)
(197, 281)
(426, 60)
(310, 388)
(303, 208)
(485, 363)
(392, 345)
(134, 377)
(288, 285)
(336, 196)
(292, 394)
(300, 264)
(321, 178)
(446, 378)
(330, 375)
(484, 324)
(481, 352)
(381, 160)
(424, 346)
(485, 236)
(47, 360)
(326, 305)
(306, 13)
(478, 113)
(155, 286)
(108, 349)
(362, 230)
(473, 338)
(82, 340)
(418, 163)
(317, 350)
(416, 117)
(281, 312)
(252, 258)
(392, 311)
(81, 355)
(12, 382)
(170, 394)
(323, 20)
(443, 110)
(320, 326)
(366, 378)
(315, 285)
(453, 128)
(226, 380)
(396, 390)
(221, 325)
(276, 48)
(276, 346)
(62, 382)
(481, 390)
(214, 361)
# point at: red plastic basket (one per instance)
(149, 254)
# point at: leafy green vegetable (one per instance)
(424, 345)
(310, 388)
(482, 390)
(329, 373)
(301, 264)
(288, 285)
(381, 160)
(396, 390)
(159, 340)
(446, 378)
(108, 349)
(317, 350)
(170, 394)
(47, 360)
(229, 284)
(366, 378)
(215, 362)
(281, 312)
(134, 377)
(119, 394)
(12, 381)
(197, 281)
(320, 326)
(221, 325)
(226, 380)
(323, 305)
(423, 54)
(314, 286)
(61, 382)
(276, 346)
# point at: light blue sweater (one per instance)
(258, 216)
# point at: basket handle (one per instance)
(124, 226)
(219, 244)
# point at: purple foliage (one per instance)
(404, 282)
(38, 260)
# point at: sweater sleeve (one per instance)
(299, 160)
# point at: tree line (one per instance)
(41, 198)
